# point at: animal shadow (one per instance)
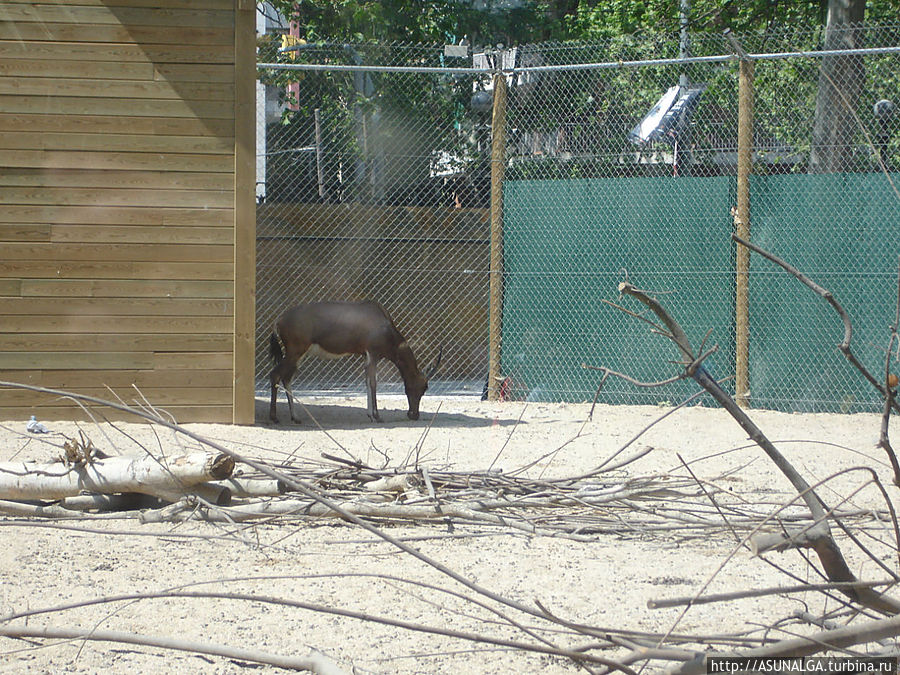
(352, 415)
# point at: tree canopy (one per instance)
(514, 22)
(387, 131)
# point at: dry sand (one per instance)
(604, 583)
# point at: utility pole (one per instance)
(684, 44)
(683, 141)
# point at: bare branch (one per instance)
(762, 592)
(804, 646)
(314, 662)
(819, 534)
(844, 346)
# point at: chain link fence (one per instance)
(621, 161)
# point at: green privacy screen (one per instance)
(842, 231)
(568, 244)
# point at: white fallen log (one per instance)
(252, 487)
(214, 493)
(170, 478)
(399, 483)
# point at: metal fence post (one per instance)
(498, 166)
(742, 228)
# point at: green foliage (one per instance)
(541, 20)
(365, 117)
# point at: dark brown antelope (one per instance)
(335, 329)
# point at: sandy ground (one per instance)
(604, 583)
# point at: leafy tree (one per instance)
(369, 118)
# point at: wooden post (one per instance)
(243, 402)
(498, 167)
(742, 229)
(320, 172)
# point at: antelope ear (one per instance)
(434, 366)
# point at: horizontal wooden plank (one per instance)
(76, 379)
(108, 215)
(85, 360)
(194, 72)
(225, 5)
(122, 53)
(125, 107)
(26, 360)
(84, 178)
(120, 288)
(102, 33)
(178, 343)
(193, 360)
(125, 14)
(130, 71)
(213, 199)
(69, 269)
(207, 325)
(10, 287)
(32, 377)
(142, 235)
(167, 253)
(135, 89)
(157, 396)
(105, 142)
(106, 70)
(116, 124)
(199, 307)
(182, 413)
(119, 161)
(117, 288)
(24, 232)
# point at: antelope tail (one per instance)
(275, 349)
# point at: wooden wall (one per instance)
(126, 204)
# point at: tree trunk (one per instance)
(841, 81)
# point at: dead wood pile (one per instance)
(215, 483)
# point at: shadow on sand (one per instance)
(352, 415)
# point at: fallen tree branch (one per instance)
(359, 509)
(885, 389)
(251, 487)
(890, 388)
(25, 510)
(315, 662)
(819, 534)
(760, 592)
(542, 647)
(838, 638)
(169, 478)
(311, 492)
(827, 295)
